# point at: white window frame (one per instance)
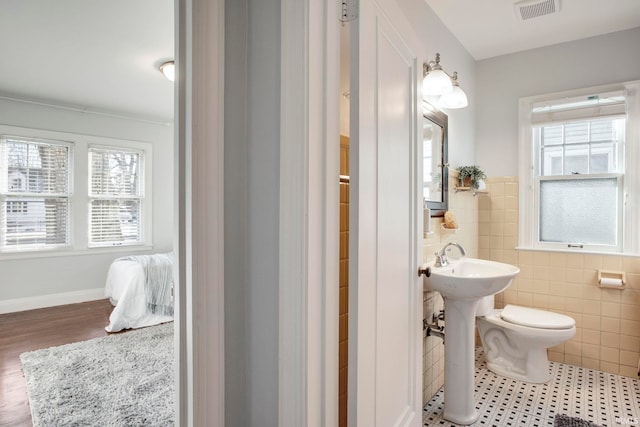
(22, 197)
(80, 197)
(629, 215)
(140, 197)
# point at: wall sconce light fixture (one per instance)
(169, 70)
(456, 98)
(437, 83)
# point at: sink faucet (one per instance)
(441, 256)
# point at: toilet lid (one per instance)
(535, 318)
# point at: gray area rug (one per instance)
(117, 380)
(562, 420)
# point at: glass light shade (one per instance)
(169, 70)
(456, 99)
(436, 82)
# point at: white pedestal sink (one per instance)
(462, 284)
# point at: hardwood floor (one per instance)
(35, 329)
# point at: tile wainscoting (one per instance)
(607, 320)
(465, 207)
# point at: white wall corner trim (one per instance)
(309, 226)
(52, 300)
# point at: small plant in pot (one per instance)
(470, 176)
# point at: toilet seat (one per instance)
(534, 318)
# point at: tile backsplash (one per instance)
(607, 320)
(465, 207)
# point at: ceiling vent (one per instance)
(528, 9)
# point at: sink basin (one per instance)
(462, 284)
(470, 278)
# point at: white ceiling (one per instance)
(488, 28)
(90, 54)
(104, 55)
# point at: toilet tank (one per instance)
(485, 306)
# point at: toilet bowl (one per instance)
(515, 339)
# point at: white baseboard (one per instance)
(52, 300)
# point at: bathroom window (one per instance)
(577, 183)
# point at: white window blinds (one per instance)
(35, 191)
(116, 197)
(579, 108)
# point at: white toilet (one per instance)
(515, 339)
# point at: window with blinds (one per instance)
(577, 177)
(35, 194)
(580, 152)
(116, 191)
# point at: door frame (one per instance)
(309, 213)
(199, 212)
(309, 203)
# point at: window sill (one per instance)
(8, 256)
(575, 251)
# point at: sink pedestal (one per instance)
(463, 284)
(459, 360)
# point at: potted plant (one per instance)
(470, 176)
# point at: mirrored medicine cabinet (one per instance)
(435, 160)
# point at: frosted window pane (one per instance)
(579, 211)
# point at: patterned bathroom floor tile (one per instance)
(602, 398)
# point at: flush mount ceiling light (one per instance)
(169, 70)
(437, 83)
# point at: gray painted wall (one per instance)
(252, 168)
(22, 278)
(435, 38)
(503, 80)
(235, 212)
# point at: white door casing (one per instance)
(385, 345)
(199, 213)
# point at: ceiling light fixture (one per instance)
(169, 70)
(437, 83)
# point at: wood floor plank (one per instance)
(35, 329)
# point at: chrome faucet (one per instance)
(441, 256)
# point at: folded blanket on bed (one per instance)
(158, 285)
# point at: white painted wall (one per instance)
(503, 80)
(26, 278)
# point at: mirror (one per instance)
(434, 163)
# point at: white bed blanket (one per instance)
(125, 287)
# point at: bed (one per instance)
(141, 289)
